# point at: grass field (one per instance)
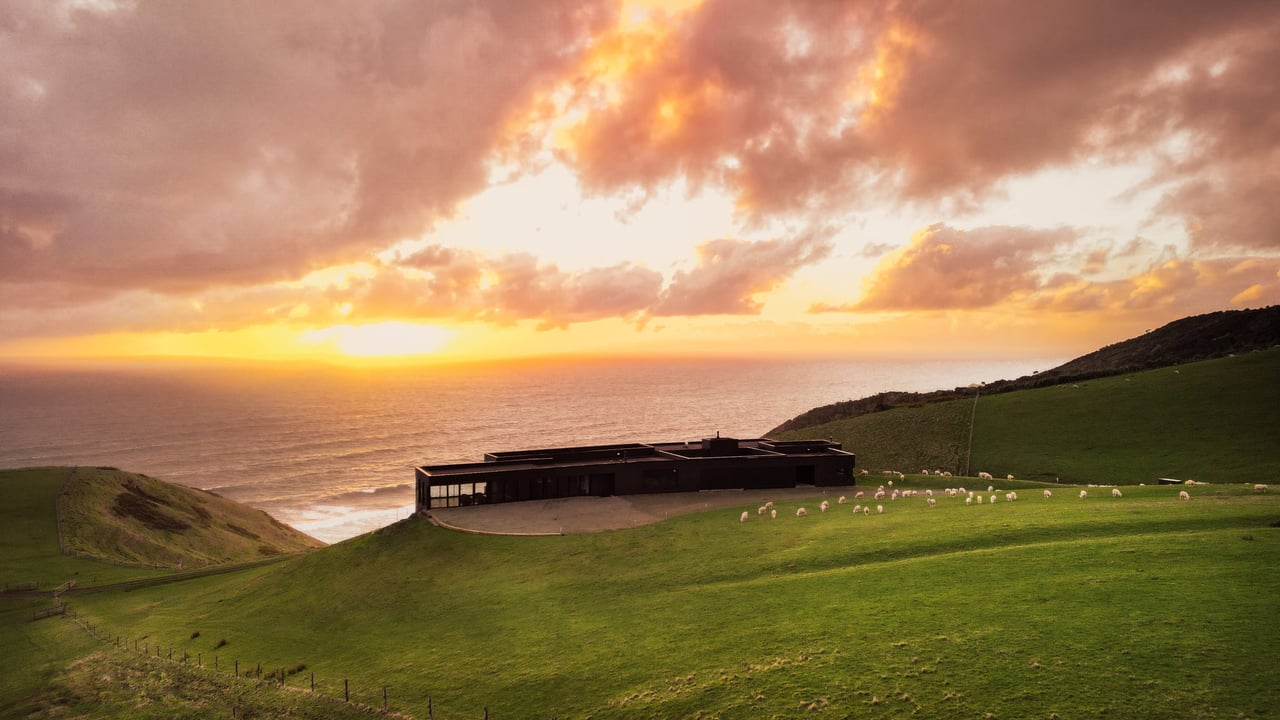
(1216, 421)
(1140, 606)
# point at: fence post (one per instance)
(199, 659)
(215, 663)
(237, 667)
(486, 714)
(431, 715)
(384, 698)
(313, 681)
(346, 690)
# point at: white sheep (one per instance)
(1009, 476)
(890, 483)
(924, 472)
(858, 494)
(773, 514)
(842, 500)
(1048, 494)
(928, 493)
(968, 501)
(1115, 492)
(769, 505)
(801, 512)
(1010, 496)
(864, 472)
(866, 510)
(744, 517)
(857, 509)
(984, 475)
(991, 488)
(993, 498)
(946, 474)
(879, 508)
(879, 495)
(979, 499)
(760, 510)
(1084, 494)
(823, 507)
(1260, 487)
(932, 502)
(1184, 495)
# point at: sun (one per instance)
(383, 340)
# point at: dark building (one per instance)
(631, 468)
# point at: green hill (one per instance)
(1135, 607)
(1189, 339)
(1214, 421)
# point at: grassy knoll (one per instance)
(1215, 420)
(1143, 606)
(127, 517)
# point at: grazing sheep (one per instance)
(979, 499)
(1189, 482)
(744, 517)
(769, 505)
(993, 499)
(1260, 487)
(866, 510)
(864, 472)
(894, 496)
(962, 491)
(890, 483)
(823, 507)
(1084, 494)
(1184, 495)
(773, 514)
(1010, 496)
(968, 501)
(879, 494)
(801, 512)
(879, 508)
(858, 494)
(901, 476)
(760, 510)
(928, 493)
(924, 472)
(1048, 494)
(1115, 492)
(946, 474)
(932, 502)
(1009, 476)
(841, 500)
(857, 509)
(991, 488)
(984, 476)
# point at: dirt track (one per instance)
(592, 514)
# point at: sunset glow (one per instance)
(636, 178)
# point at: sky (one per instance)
(373, 181)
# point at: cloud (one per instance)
(730, 274)
(181, 146)
(820, 107)
(1171, 288)
(944, 268)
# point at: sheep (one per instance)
(924, 472)
(991, 488)
(894, 496)
(984, 476)
(928, 493)
(962, 491)
(864, 472)
(1115, 492)
(760, 510)
(879, 508)
(968, 501)
(1084, 494)
(842, 500)
(773, 514)
(866, 510)
(1010, 496)
(979, 499)
(801, 512)
(857, 509)
(946, 474)
(901, 476)
(993, 499)
(823, 507)
(1260, 487)
(858, 494)
(744, 517)
(879, 495)
(769, 505)
(890, 483)
(1048, 494)
(932, 502)
(1009, 476)
(1184, 495)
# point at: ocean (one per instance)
(332, 451)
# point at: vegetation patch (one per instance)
(147, 512)
(242, 532)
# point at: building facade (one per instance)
(632, 468)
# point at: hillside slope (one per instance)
(1187, 340)
(123, 517)
(1214, 421)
